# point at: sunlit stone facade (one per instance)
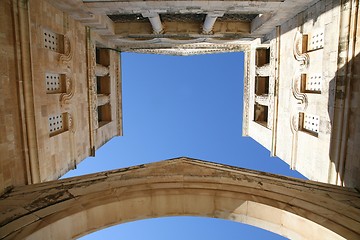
(61, 81)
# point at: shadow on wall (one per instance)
(345, 118)
(311, 13)
(344, 88)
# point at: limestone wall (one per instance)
(47, 95)
(12, 149)
(306, 151)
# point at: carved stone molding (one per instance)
(301, 98)
(71, 122)
(246, 97)
(182, 48)
(300, 106)
(302, 102)
(66, 57)
(303, 58)
(183, 51)
(294, 122)
(70, 91)
(93, 86)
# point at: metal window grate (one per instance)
(313, 83)
(56, 123)
(311, 123)
(315, 40)
(53, 41)
(54, 83)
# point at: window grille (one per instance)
(310, 123)
(315, 40)
(57, 123)
(54, 83)
(311, 83)
(53, 41)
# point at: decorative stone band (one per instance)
(302, 103)
(300, 106)
(92, 95)
(70, 91)
(71, 122)
(68, 53)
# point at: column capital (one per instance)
(216, 13)
(149, 14)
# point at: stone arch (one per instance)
(290, 207)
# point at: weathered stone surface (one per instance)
(293, 208)
(39, 42)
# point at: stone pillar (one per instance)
(155, 21)
(263, 70)
(103, 99)
(210, 21)
(101, 70)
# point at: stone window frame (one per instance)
(315, 79)
(103, 86)
(262, 56)
(53, 41)
(55, 83)
(262, 84)
(315, 129)
(262, 119)
(58, 123)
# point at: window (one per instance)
(311, 83)
(104, 114)
(55, 83)
(313, 41)
(103, 56)
(262, 56)
(261, 114)
(103, 82)
(57, 123)
(309, 123)
(103, 85)
(53, 41)
(261, 85)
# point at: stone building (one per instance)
(301, 92)
(61, 82)
(60, 92)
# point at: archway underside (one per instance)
(182, 187)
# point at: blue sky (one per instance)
(182, 106)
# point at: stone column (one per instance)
(103, 99)
(155, 21)
(263, 70)
(210, 21)
(101, 70)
